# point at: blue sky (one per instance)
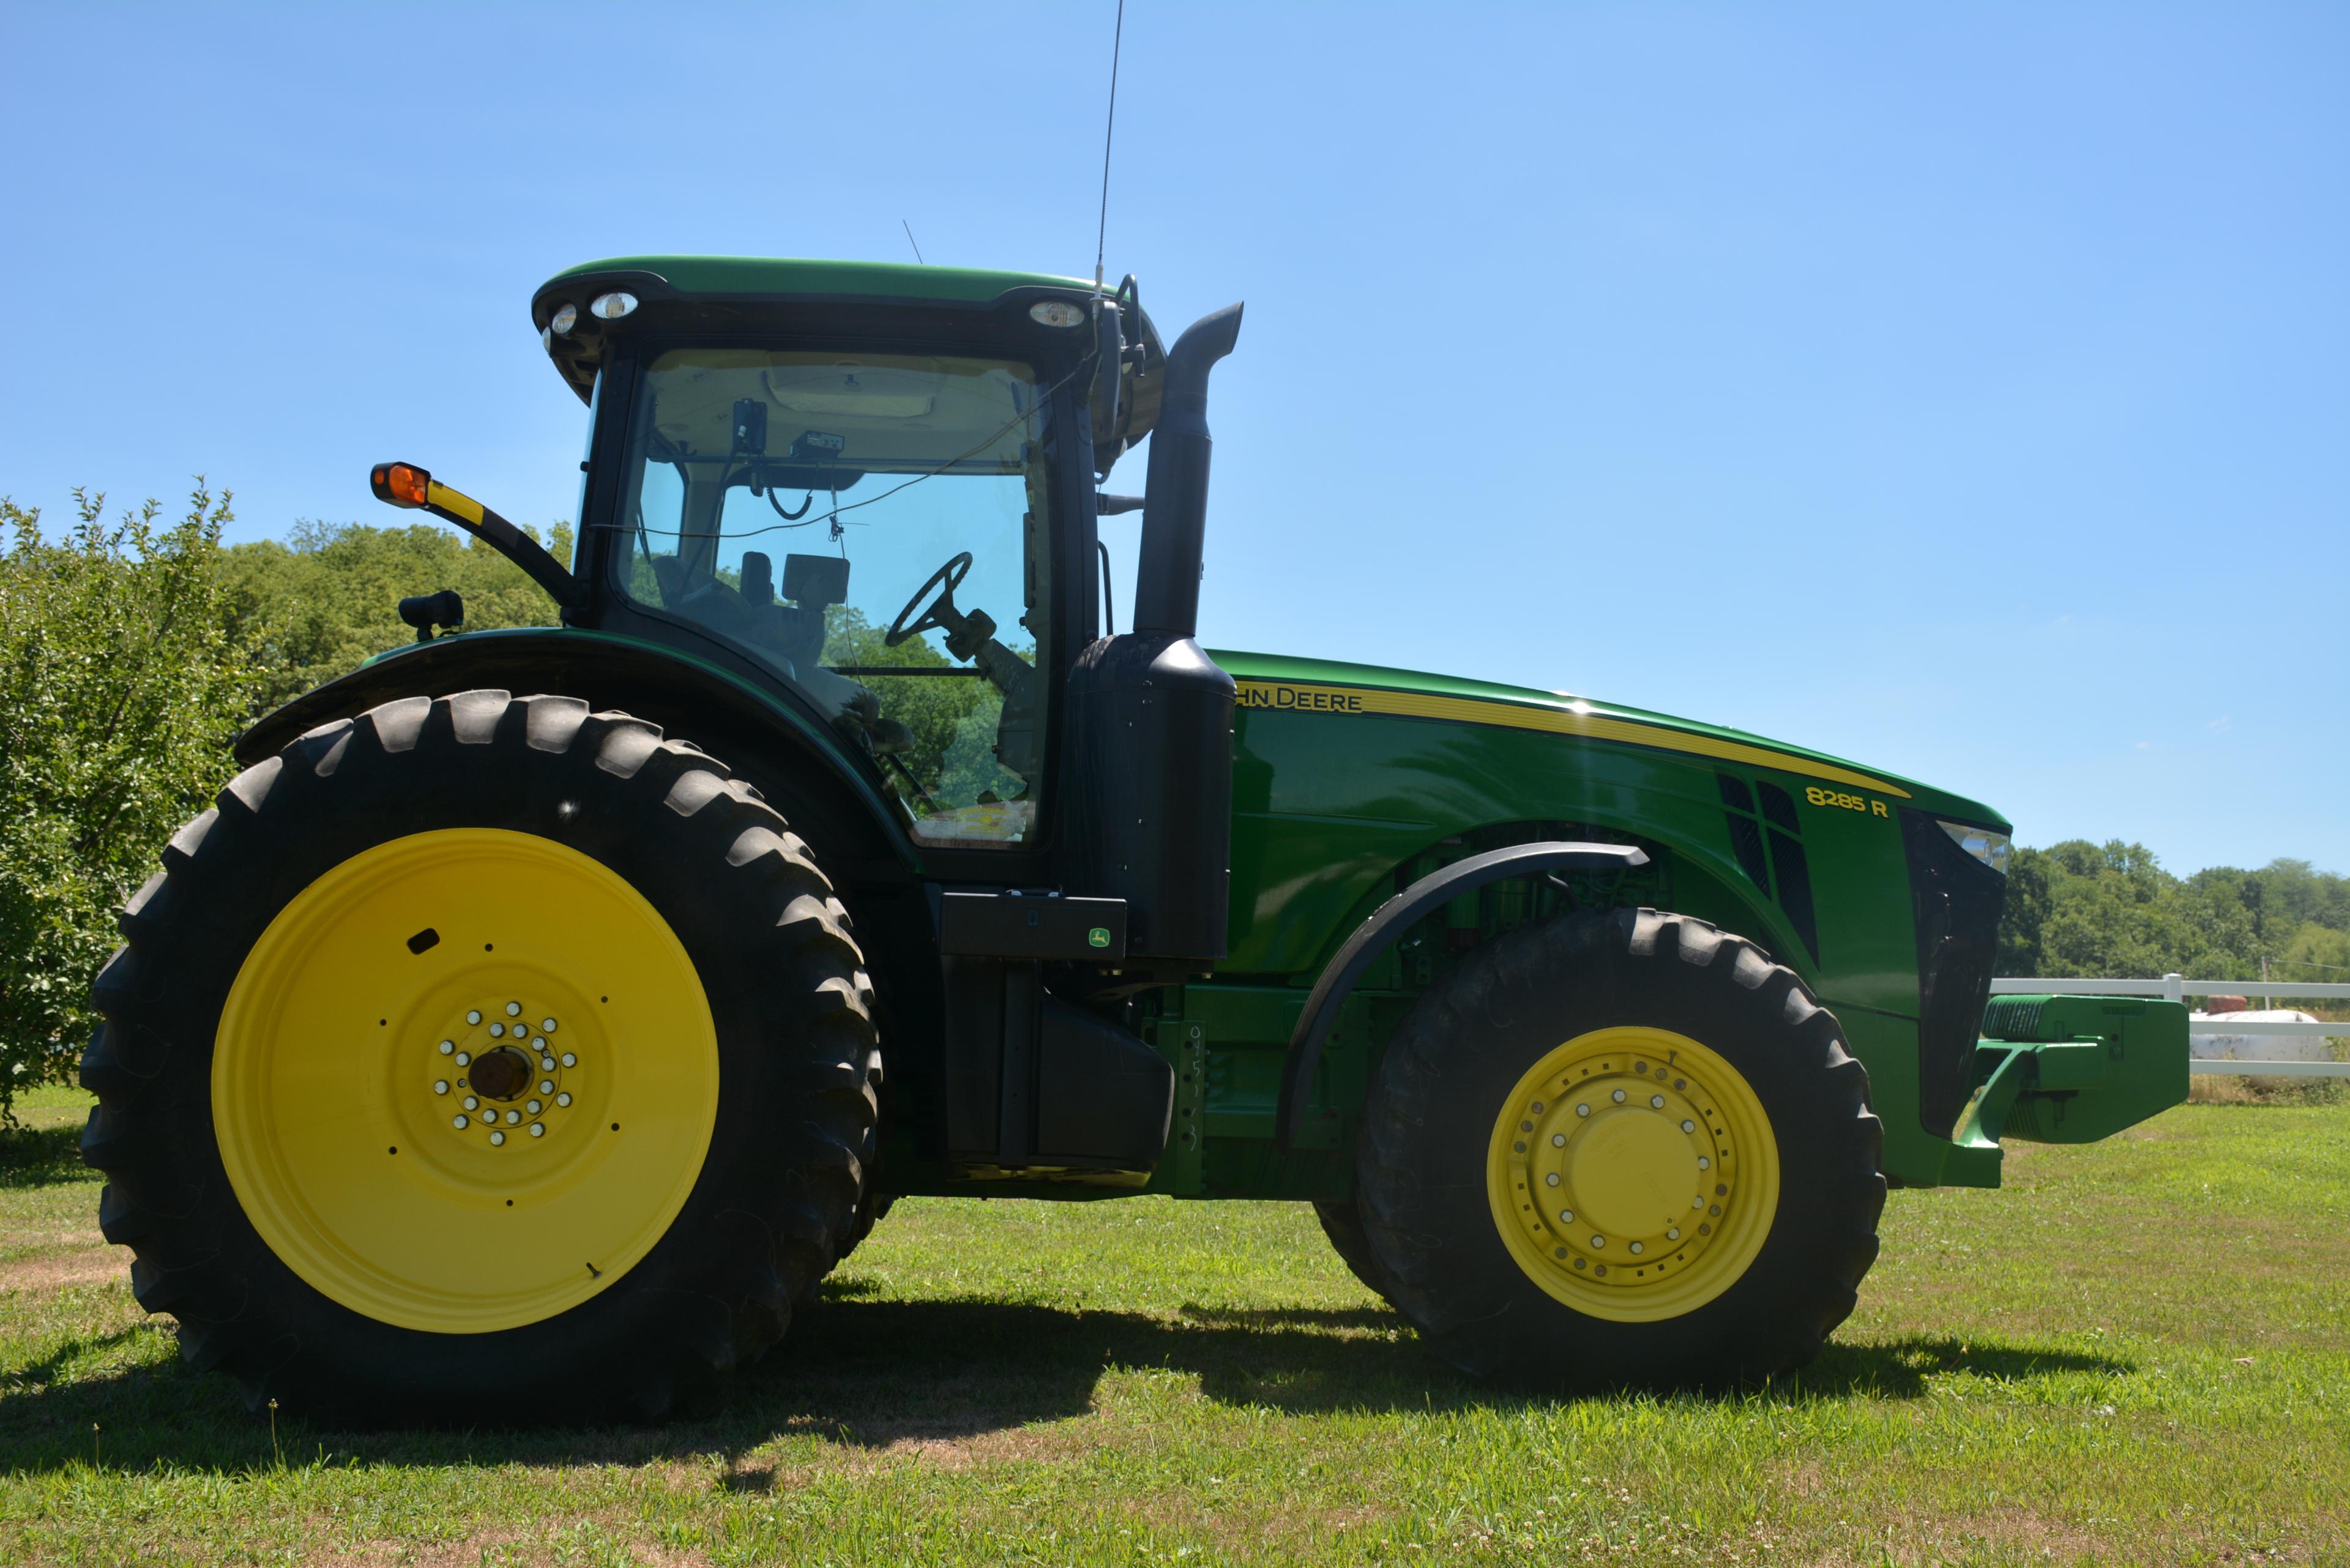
(1962, 389)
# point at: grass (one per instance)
(2137, 1352)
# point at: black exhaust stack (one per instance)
(1151, 713)
(1175, 503)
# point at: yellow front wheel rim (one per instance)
(465, 1081)
(1633, 1173)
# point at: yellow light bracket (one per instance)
(403, 485)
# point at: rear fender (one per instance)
(784, 752)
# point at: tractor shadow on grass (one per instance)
(873, 1374)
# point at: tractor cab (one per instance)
(876, 485)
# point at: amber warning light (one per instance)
(400, 484)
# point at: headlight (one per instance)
(1991, 849)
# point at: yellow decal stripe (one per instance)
(1296, 698)
(454, 501)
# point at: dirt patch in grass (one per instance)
(63, 1271)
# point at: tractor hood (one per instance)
(1273, 681)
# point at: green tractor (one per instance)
(493, 1051)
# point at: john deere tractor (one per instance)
(541, 1013)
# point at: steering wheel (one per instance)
(946, 579)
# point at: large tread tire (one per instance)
(792, 1007)
(1421, 1185)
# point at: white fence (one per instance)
(2176, 988)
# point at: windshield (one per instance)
(873, 529)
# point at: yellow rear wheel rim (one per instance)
(465, 1081)
(1633, 1173)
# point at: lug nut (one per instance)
(1657, 1102)
(546, 1063)
(1583, 1110)
(1619, 1097)
(514, 1009)
(464, 1058)
(496, 1138)
(439, 1086)
(539, 1129)
(1640, 1066)
(546, 1025)
(1714, 1209)
(458, 1122)
(563, 1099)
(569, 1060)
(513, 1116)
(1599, 1240)
(447, 1046)
(1673, 1233)
(1704, 1162)
(474, 1016)
(1552, 1179)
(1689, 1127)
(546, 1087)
(534, 1107)
(1636, 1247)
(1566, 1216)
(497, 1031)
(472, 1104)
(1558, 1141)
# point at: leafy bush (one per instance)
(328, 597)
(123, 678)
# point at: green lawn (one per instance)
(2137, 1352)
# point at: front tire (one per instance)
(1621, 1150)
(482, 1061)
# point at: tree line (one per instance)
(133, 650)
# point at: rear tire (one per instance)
(1621, 1150)
(748, 1090)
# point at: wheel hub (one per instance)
(1619, 1173)
(504, 1119)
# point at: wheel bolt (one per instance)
(1558, 1141)
(546, 1087)
(1673, 1233)
(458, 1122)
(546, 1063)
(563, 1099)
(1657, 1102)
(474, 1017)
(1599, 1240)
(1619, 1097)
(464, 1058)
(1583, 1110)
(1552, 1179)
(1689, 1127)
(472, 1104)
(547, 1025)
(514, 1009)
(538, 1129)
(1636, 1247)
(534, 1107)
(569, 1060)
(1704, 1162)
(439, 1086)
(1566, 1216)
(513, 1116)
(447, 1046)
(496, 1138)
(497, 1031)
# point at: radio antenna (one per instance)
(911, 240)
(1101, 235)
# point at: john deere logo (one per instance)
(1098, 936)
